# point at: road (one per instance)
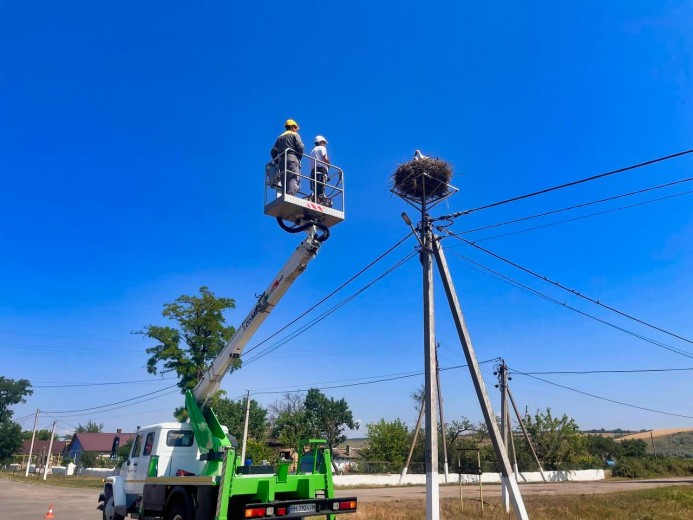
(25, 501)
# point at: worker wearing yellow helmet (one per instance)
(287, 153)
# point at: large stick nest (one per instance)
(424, 178)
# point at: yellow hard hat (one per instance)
(290, 123)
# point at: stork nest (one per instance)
(422, 179)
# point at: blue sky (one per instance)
(132, 145)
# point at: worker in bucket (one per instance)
(318, 172)
(291, 143)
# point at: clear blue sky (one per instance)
(132, 144)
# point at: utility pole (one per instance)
(479, 386)
(442, 420)
(413, 444)
(524, 432)
(502, 372)
(50, 451)
(430, 401)
(654, 451)
(245, 427)
(31, 447)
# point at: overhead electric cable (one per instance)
(508, 280)
(582, 217)
(48, 384)
(335, 291)
(603, 398)
(568, 289)
(631, 371)
(110, 404)
(325, 314)
(573, 183)
(577, 206)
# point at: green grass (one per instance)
(55, 480)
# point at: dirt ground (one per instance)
(25, 501)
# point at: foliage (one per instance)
(259, 451)
(633, 448)
(90, 427)
(10, 439)
(387, 442)
(199, 336)
(650, 467)
(125, 449)
(12, 392)
(317, 415)
(557, 441)
(289, 422)
(232, 415)
(675, 445)
(328, 417)
(41, 435)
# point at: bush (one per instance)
(649, 467)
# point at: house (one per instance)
(40, 452)
(100, 443)
(345, 458)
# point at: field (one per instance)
(661, 504)
(654, 433)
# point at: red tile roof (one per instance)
(42, 445)
(100, 442)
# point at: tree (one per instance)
(557, 441)
(41, 435)
(289, 421)
(12, 392)
(10, 440)
(200, 335)
(232, 415)
(633, 448)
(327, 417)
(90, 427)
(387, 442)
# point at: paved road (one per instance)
(23, 501)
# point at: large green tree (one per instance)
(199, 335)
(12, 392)
(328, 417)
(557, 440)
(232, 415)
(387, 442)
(289, 421)
(10, 440)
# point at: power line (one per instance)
(631, 371)
(111, 404)
(573, 183)
(603, 398)
(506, 279)
(582, 217)
(49, 384)
(335, 291)
(327, 313)
(577, 206)
(568, 289)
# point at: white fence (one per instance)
(454, 478)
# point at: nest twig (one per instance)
(423, 178)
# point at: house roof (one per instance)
(100, 442)
(42, 446)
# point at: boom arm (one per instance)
(211, 380)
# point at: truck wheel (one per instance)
(109, 507)
(180, 510)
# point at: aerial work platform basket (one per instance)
(320, 200)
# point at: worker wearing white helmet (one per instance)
(321, 163)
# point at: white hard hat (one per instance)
(319, 139)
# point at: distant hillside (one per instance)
(655, 433)
(675, 445)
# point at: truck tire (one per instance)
(180, 510)
(109, 507)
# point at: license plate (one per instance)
(302, 508)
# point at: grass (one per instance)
(55, 480)
(667, 503)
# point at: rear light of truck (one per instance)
(258, 512)
(345, 505)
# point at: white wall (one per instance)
(535, 476)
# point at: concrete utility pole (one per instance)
(479, 386)
(430, 401)
(31, 447)
(442, 419)
(502, 372)
(524, 432)
(245, 427)
(413, 443)
(50, 452)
